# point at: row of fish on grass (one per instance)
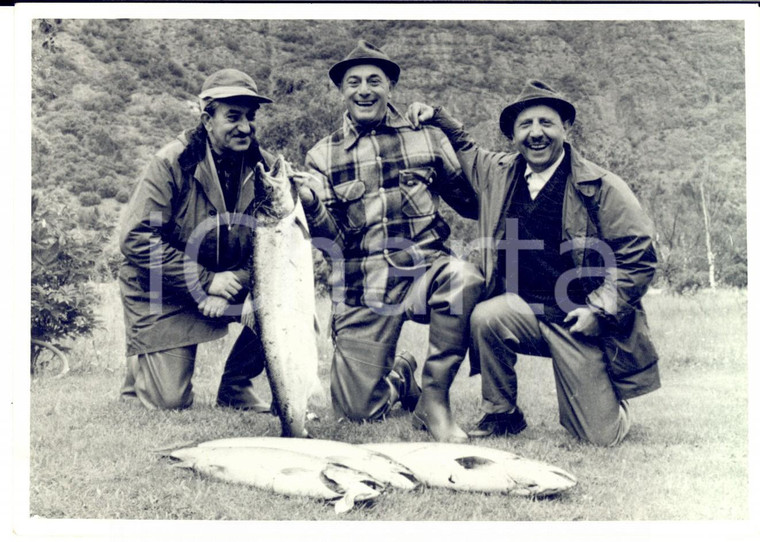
(347, 474)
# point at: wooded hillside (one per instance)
(660, 103)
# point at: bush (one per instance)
(735, 275)
(88, 199)
(175, 69)
(122, 196)
(62, 301)
(109, 188)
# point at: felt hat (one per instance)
(535, 93)
(365, 53)
(227, 83)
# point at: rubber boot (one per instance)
(244, 362)
(433, 412)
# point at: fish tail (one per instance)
(344, 504)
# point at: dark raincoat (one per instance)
(176, 233)
(598, 205)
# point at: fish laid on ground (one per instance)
(283, 471)
(466, 467)
(379, 466)
(283, 296)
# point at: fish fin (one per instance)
(300, 219)
(348, 501)
(344, 504)
(474, 462)
(293, 471)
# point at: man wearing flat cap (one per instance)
(372, 195)
(187, 250)
(568, 255)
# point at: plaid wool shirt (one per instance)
(376, 217)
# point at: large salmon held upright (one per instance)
(283, 296)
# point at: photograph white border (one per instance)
(15, 28)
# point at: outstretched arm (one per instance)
(478, 165)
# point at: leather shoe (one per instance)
(499, 424)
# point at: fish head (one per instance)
(276, 195)
(538, 479)
(186, 457)
(292, 420)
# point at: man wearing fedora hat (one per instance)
(372, 193)
(567, 256)
(187, 248)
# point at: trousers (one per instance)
(365, 338)
(589, 408)
(163, 380)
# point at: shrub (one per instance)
(88, 199)
(735, 275)
(62, 300)
(109, 188)
(175, 69)
(122, 196)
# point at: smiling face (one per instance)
(539, 134)
(366, 90)
(229, 125)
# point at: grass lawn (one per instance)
(686, 458)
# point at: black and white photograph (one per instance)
(463, 269)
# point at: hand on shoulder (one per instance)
(419, 113)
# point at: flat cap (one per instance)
(230, 82)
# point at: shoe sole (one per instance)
(476, 434)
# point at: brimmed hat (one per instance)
(227, 83)
(535, 93)
(365, 53)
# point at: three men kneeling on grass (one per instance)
(566, 255)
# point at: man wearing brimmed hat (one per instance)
(567, 256)
(187, 249)
(372, 193)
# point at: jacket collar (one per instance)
(352, 131)
(581, 170)
(206, 174)
(197, 157)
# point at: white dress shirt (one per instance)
(536, 181)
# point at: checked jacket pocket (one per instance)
(350, 195)
(416, 198)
